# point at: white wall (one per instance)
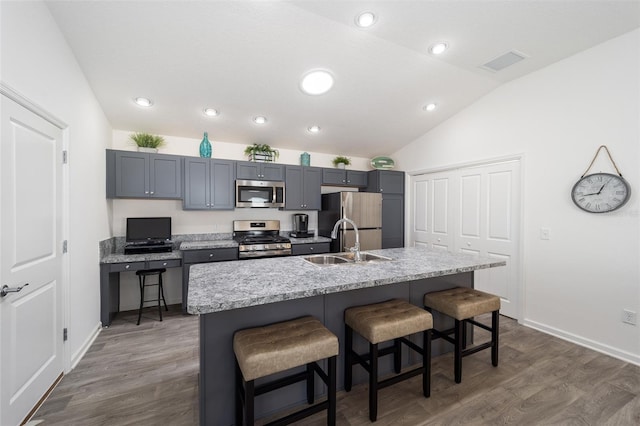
(577, 283)
(38, 63)
(197, 222)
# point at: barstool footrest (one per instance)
(479, 324)
(400, 377)
(280, 383)
(299, 415)
(475, 349)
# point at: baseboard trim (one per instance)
(79, 354)
(587, 343)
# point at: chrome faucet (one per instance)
(356, 248)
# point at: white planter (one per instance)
(151, 150)
(340, 165)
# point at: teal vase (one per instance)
(205, 147)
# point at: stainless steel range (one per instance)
(260, 238)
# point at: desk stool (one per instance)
(391, 320)
(278, 347)
(142, 282)
(462, 304)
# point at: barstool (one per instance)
(391, 320)
(463, 304)
(142, 282)
(273, 348)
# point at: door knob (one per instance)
(6, 289)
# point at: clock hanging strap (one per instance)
(596, 156)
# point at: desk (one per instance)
(113, 264)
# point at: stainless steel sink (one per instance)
(325, 259)
(343, 258)
(364, 256)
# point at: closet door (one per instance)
(474, 210)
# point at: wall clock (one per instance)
(601, 192)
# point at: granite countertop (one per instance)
(126, 258)
(310, 240)
(199, 245)
(222, 286)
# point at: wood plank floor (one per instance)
(148, 375)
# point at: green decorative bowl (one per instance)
(382, 163)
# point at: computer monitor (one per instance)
(148, 229)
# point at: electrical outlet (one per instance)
(544, 233)
(628, 317)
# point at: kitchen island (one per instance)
(232, 295)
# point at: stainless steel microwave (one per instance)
(259, 193)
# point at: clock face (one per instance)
(600, 192)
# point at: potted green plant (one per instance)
(261, 152)
(340, 162)
(147, 142)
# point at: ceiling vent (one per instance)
(504, 61)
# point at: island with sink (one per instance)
(230, 296)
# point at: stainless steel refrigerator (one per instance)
(364, 208)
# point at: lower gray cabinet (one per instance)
(193, 257)
(311, 248)
(303, 188)
(209, 184)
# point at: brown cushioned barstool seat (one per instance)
(391, 320)
(462, 304)
(273, 348)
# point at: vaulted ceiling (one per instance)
(246, 58)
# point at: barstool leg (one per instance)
(141, 284)
(159, 294)
(162, 293)
(459, 325)
(239, 396)
(331, 415)
(495, 325)
(348, 361)
(397, 355)
(249, 397)
(373, 382)
(310, 383)
(426, 363)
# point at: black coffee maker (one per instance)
(300, 226)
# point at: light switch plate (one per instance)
(545, 233)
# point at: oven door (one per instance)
(252, 193)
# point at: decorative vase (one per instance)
(305, 159)
(205, 147)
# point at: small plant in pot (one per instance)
(147, 142)
(261, 152)
(340, 162)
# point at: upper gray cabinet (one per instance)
(250, 170)
(209, 184)
(133, 174)
(386, 181)
(303, 188)
(341, 177)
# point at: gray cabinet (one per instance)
(192, 257)
(209, 184)
(249, 170)
(391, 184)
(311, 248)
(303, 188)
(340, 177)
(386, 181)
(142, 175)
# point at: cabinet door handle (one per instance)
(146, 192)
(126, 266)
(164, 264)
(310, 248)
(211, 255)
(151, 192)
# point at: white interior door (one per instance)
(489, 224)
(474, 210)
(31, 338)
(431, 211)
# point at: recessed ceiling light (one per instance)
(438, 48)
(429, 107)
(260, 119)
(314, 129)
(316, 82)
(211, 112)
(365, 19)
(143, 102)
